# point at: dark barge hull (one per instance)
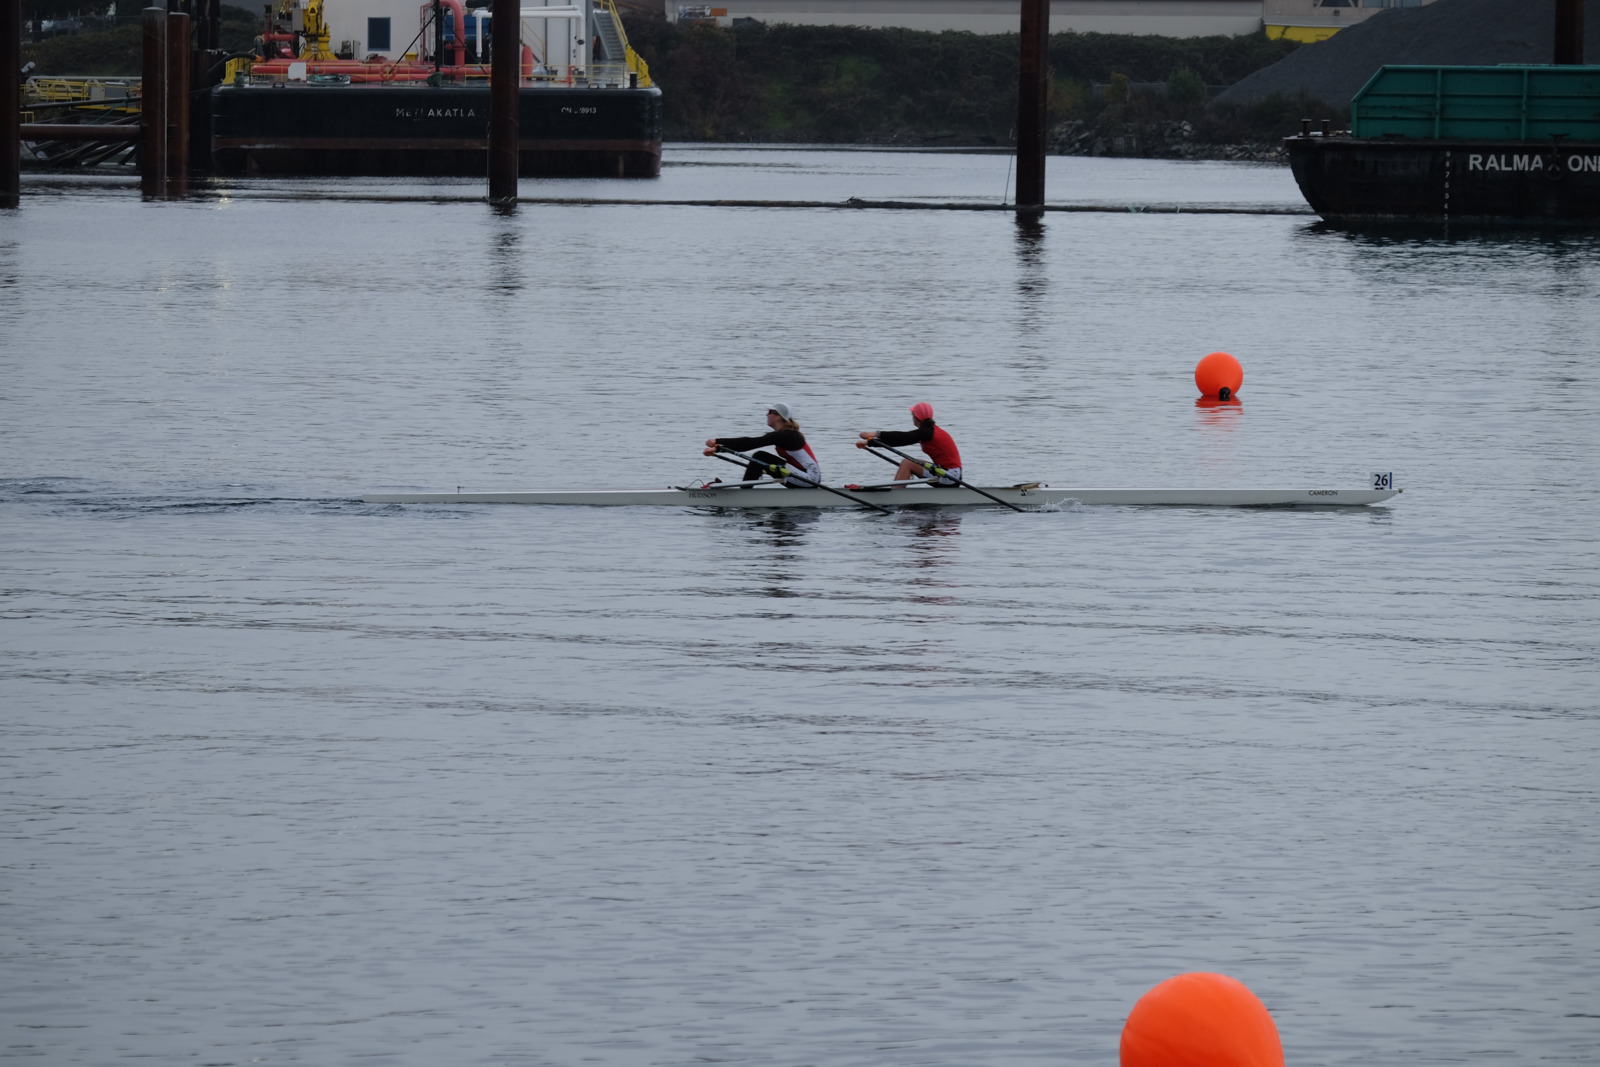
(414, 130)
(1348, 179)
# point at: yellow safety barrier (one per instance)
(38, 90)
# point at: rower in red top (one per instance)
(786, 439)
(938, 445)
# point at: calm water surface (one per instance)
(292, 779)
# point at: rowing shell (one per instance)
(915, 496)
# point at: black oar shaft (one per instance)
(741, 463)
(940, 471)
(723, 453)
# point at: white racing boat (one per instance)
(1024, 496)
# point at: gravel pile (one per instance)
(1476, 32)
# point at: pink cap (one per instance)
(922, 411)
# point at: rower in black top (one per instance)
(786, 438)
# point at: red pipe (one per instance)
(281, 38)
(363, 72)
(460, 13)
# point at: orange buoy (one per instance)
(1216, 373)
(1200, 1020)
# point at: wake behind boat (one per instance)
(1025, 496)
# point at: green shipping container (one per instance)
(1514, 102)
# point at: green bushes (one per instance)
(112, 52)
(1185, 88)
(116, 51)
(844, 84)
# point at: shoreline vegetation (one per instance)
(1111, 94)
(111, 47)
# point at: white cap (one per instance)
(783, 410)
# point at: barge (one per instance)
(427, 130)
(380, 106)
(1510, 144)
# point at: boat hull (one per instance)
(420, 130)
(921, 496)
(1347, 179)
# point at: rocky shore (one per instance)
(1173, 139)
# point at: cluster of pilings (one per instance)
(179, 66)
(164, 104)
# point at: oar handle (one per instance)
(925, 464)
(773, 469)
(937, 470)
(780, 471)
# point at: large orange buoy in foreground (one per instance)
(1200, 1020)
(1217, 372)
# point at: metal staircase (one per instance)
(618, 60)
(608, 27)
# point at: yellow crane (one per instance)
(313, 28)
(316, 45)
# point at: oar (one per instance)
(938, 471)
(778, 471)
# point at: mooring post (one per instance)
(1033, 87)
(177, 103)
(1569, 32)
(211, 38)
(505, 77)
(11, 103)
(205, 71)
(153, 104)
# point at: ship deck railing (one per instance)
(1512, 101)
(594, 76)
(41, 90)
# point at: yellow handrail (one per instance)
(635, 63)
(638, 66)
(57, 90)
(40, 90)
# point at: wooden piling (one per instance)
(1033, 87)
(10, 103)
(505, 78)
(177, 103)
(205, 71)
(1569, 32)
(153, 104)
